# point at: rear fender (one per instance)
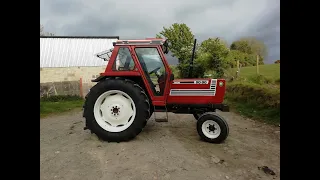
(100, 78)
(136, 79)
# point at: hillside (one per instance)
(256, 96)
(271, 71)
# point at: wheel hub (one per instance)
(115, 110)
(211, 128)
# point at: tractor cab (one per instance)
(140, 58)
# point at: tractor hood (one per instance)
(207, 91)
(192, 81)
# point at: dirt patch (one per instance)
(167, 150)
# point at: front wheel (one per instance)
(196, 116)
(212, 128)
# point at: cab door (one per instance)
(156, 71)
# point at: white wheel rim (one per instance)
(114, 111)
(211, 132)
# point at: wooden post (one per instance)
(81, 88)
(238, 68)
(257, 64)
(55, 91)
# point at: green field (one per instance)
(256, 96)
(271, 71)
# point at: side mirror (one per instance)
(165, 47)
(171, 77)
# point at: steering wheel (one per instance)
(154, 71)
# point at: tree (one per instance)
(213, 53)
(234, 56)
(181, 41)
(242, 46)
(43, 33)
(251, 46)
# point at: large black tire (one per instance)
(150, 109)
(211, 118)
(145, 96)
(139, 98)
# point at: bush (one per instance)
(263, 97)
(175, 71)
(260, 79)
(197, 71)
(254, 100)
(61, 98)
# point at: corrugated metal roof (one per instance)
(73, 51)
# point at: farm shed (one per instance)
(71, 58)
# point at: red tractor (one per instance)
(138, 82)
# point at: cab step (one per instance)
(160, 109)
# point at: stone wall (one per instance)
(69, 78)
(60, 88)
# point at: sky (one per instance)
(134, 19)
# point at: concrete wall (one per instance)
(60, 88)
(49, 75)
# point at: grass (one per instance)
(254, 101)
(270, 116)
(269, 71)
(59, 104)
(256, 96)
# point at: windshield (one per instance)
(153, 68)
(152, 61)
(151, 58)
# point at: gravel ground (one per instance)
(165, 150)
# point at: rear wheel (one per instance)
(212, 128)
(116, 110)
